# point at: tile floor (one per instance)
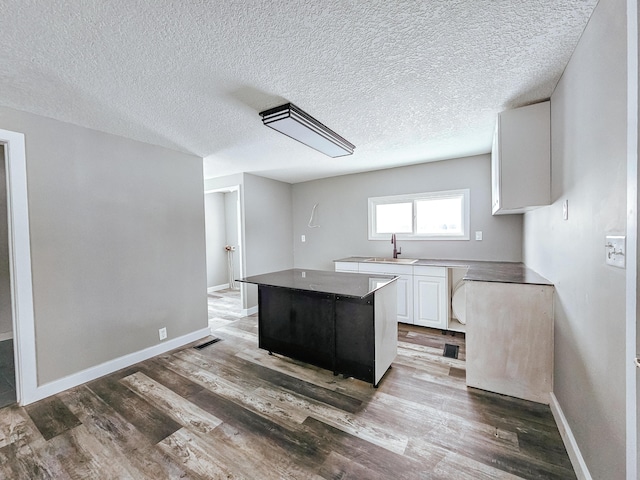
(7, 374)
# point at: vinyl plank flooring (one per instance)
(21, 455)
(369, 455)
(52, 417)
(82, 455)
(25, 463)
(171, 404)
(146, 418)
(237, 368)
(247, 399)
(292, 445)
(184, 448)
(233, 411)
(114, 432)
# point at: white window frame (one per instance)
(413, 198)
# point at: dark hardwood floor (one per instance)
(231, 410)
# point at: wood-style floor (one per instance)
(232, 411)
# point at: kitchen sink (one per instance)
(405, 261)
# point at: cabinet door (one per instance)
(495, 170)
(297, 324)
(404, 286)
(430, 295)
(405, 298)
(521, 159)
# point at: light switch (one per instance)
(565, 210)
(615, 250)
(478, 235)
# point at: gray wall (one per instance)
(117, 243)
(6, 322)
(588, 114)
(342, 214)
(215, 219)
(266, 225)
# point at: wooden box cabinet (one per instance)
(510, 339)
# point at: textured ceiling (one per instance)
(405, 81)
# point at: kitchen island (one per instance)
(509, 312)
(344, 322)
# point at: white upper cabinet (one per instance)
(521, 159)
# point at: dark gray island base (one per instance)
(344, 322)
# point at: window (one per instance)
(420, 216)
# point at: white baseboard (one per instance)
(215, 288)
(577, 460)
(249, 311)
(6, 336)
(57, 386)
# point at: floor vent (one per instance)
(206, 344)
(450, 351)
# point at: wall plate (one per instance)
(615, 250)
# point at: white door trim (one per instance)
(20, 266)
(631, 302)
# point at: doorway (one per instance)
(224, 247)
(7, 364)
(19, 259)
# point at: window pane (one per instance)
(439, 216)
(394, 218)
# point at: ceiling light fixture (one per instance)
(299, 125)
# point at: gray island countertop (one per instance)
(478, 271)
(338, 283)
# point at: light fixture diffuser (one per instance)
(299, 125)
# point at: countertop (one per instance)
(356, 285)
(478, 271)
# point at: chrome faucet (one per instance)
(396, 251)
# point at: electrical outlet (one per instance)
(478, 235)
(303, 238)
(162, 333)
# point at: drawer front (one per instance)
(430, 271)
(346, 266)
(386, 268)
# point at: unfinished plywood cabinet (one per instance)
(510, 339)
(521, 159)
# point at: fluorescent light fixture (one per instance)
(301, 126)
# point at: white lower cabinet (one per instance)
(405, 298)
(404, 283)
(423, 291)
(431, 297)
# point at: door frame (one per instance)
(239, 216)
(20, 266)
(631, 295)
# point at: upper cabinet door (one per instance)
(521, 159)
